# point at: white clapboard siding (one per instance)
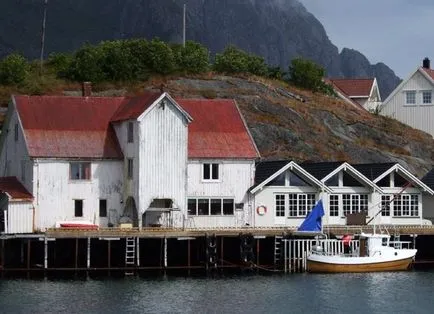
(19, 216)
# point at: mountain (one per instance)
(278, 30)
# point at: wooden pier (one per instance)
(135, 251)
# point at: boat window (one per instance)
(384, 242)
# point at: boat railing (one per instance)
(401, 244)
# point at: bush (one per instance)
(116, 61)
(193, 58)
(306, 74)
(14, 69)
(159, 57)
(59, 63)
(87, 65)
(234, 60)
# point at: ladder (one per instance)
(277, 250)
(130, 255)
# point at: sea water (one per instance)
(395, 292)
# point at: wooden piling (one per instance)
(76, 255)
(109, 256)
(222, 251)
(188, 256)
(28, 253)
(3, 257)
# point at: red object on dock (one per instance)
(71, 225)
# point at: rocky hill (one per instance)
(290, 123)
(278, 30)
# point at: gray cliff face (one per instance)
(278, 30)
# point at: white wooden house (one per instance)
(412, 101)
(359, 92)
(285, 192)
(141, 160)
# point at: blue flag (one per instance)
(313, 220)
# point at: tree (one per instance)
(306, 74)
(232, 60)
(87, 64)
(116, 61)
(14, 69)
(159, 57)
(193, 58)
(59, 63)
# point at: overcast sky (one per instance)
(396, 32)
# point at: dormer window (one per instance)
(410, 97)
(210, 172)
(427, 97)
(130, 132)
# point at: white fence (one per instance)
(296, 251)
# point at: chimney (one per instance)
(426, 63)
(86, 89)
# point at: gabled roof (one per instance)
(354, 88)
(80, 127)
(271, 168)
(373, 170)
(72, 127)
(133, 107)
(428, 179)
(407, 175)
(320, 169)
(350, 169)
(14, 189)
(217, 130)
(427, 73)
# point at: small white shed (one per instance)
(16, 207)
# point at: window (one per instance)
(79, 170)
(16, 132)
(78, 208)
(103, 208)
(192, 206)
(130, 168)
(334, 205)
(280, 205)
(406, 205)
(426, 97)
(410, 97)
(210, 172)
(300, 204)
(130, 132)
(211, 206)
(354, 203)
(385, 205)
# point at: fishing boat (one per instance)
(375, 253)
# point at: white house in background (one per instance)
(142, 160)
(412, 101)
(361, 93)
(288, 192)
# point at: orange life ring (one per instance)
(261, 210)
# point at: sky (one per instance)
(398, 33)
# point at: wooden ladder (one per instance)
(130, 255)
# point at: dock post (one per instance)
(28, 257)
(165, 252)
(108, 256)
(188, 256)
(138, 252)
(284, 254)
(3, 257)
(45, 255)
(222, 252)
(76, 257)
(88, 257)
(257, 251)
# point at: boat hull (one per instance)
(324, 267)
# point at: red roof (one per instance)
(217, 130)
(430, 72)
(14, 188)
(61, 126)
(79, 127)
(354, 87)
(134, 107)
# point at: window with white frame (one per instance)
(300, 204)
(280, 205)
(210, 172)
(354, 203)
(406, 205)
(211, 206)
(410, 97)
(334, 205)
(79, 170)
(386, 204)
(427, 97)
